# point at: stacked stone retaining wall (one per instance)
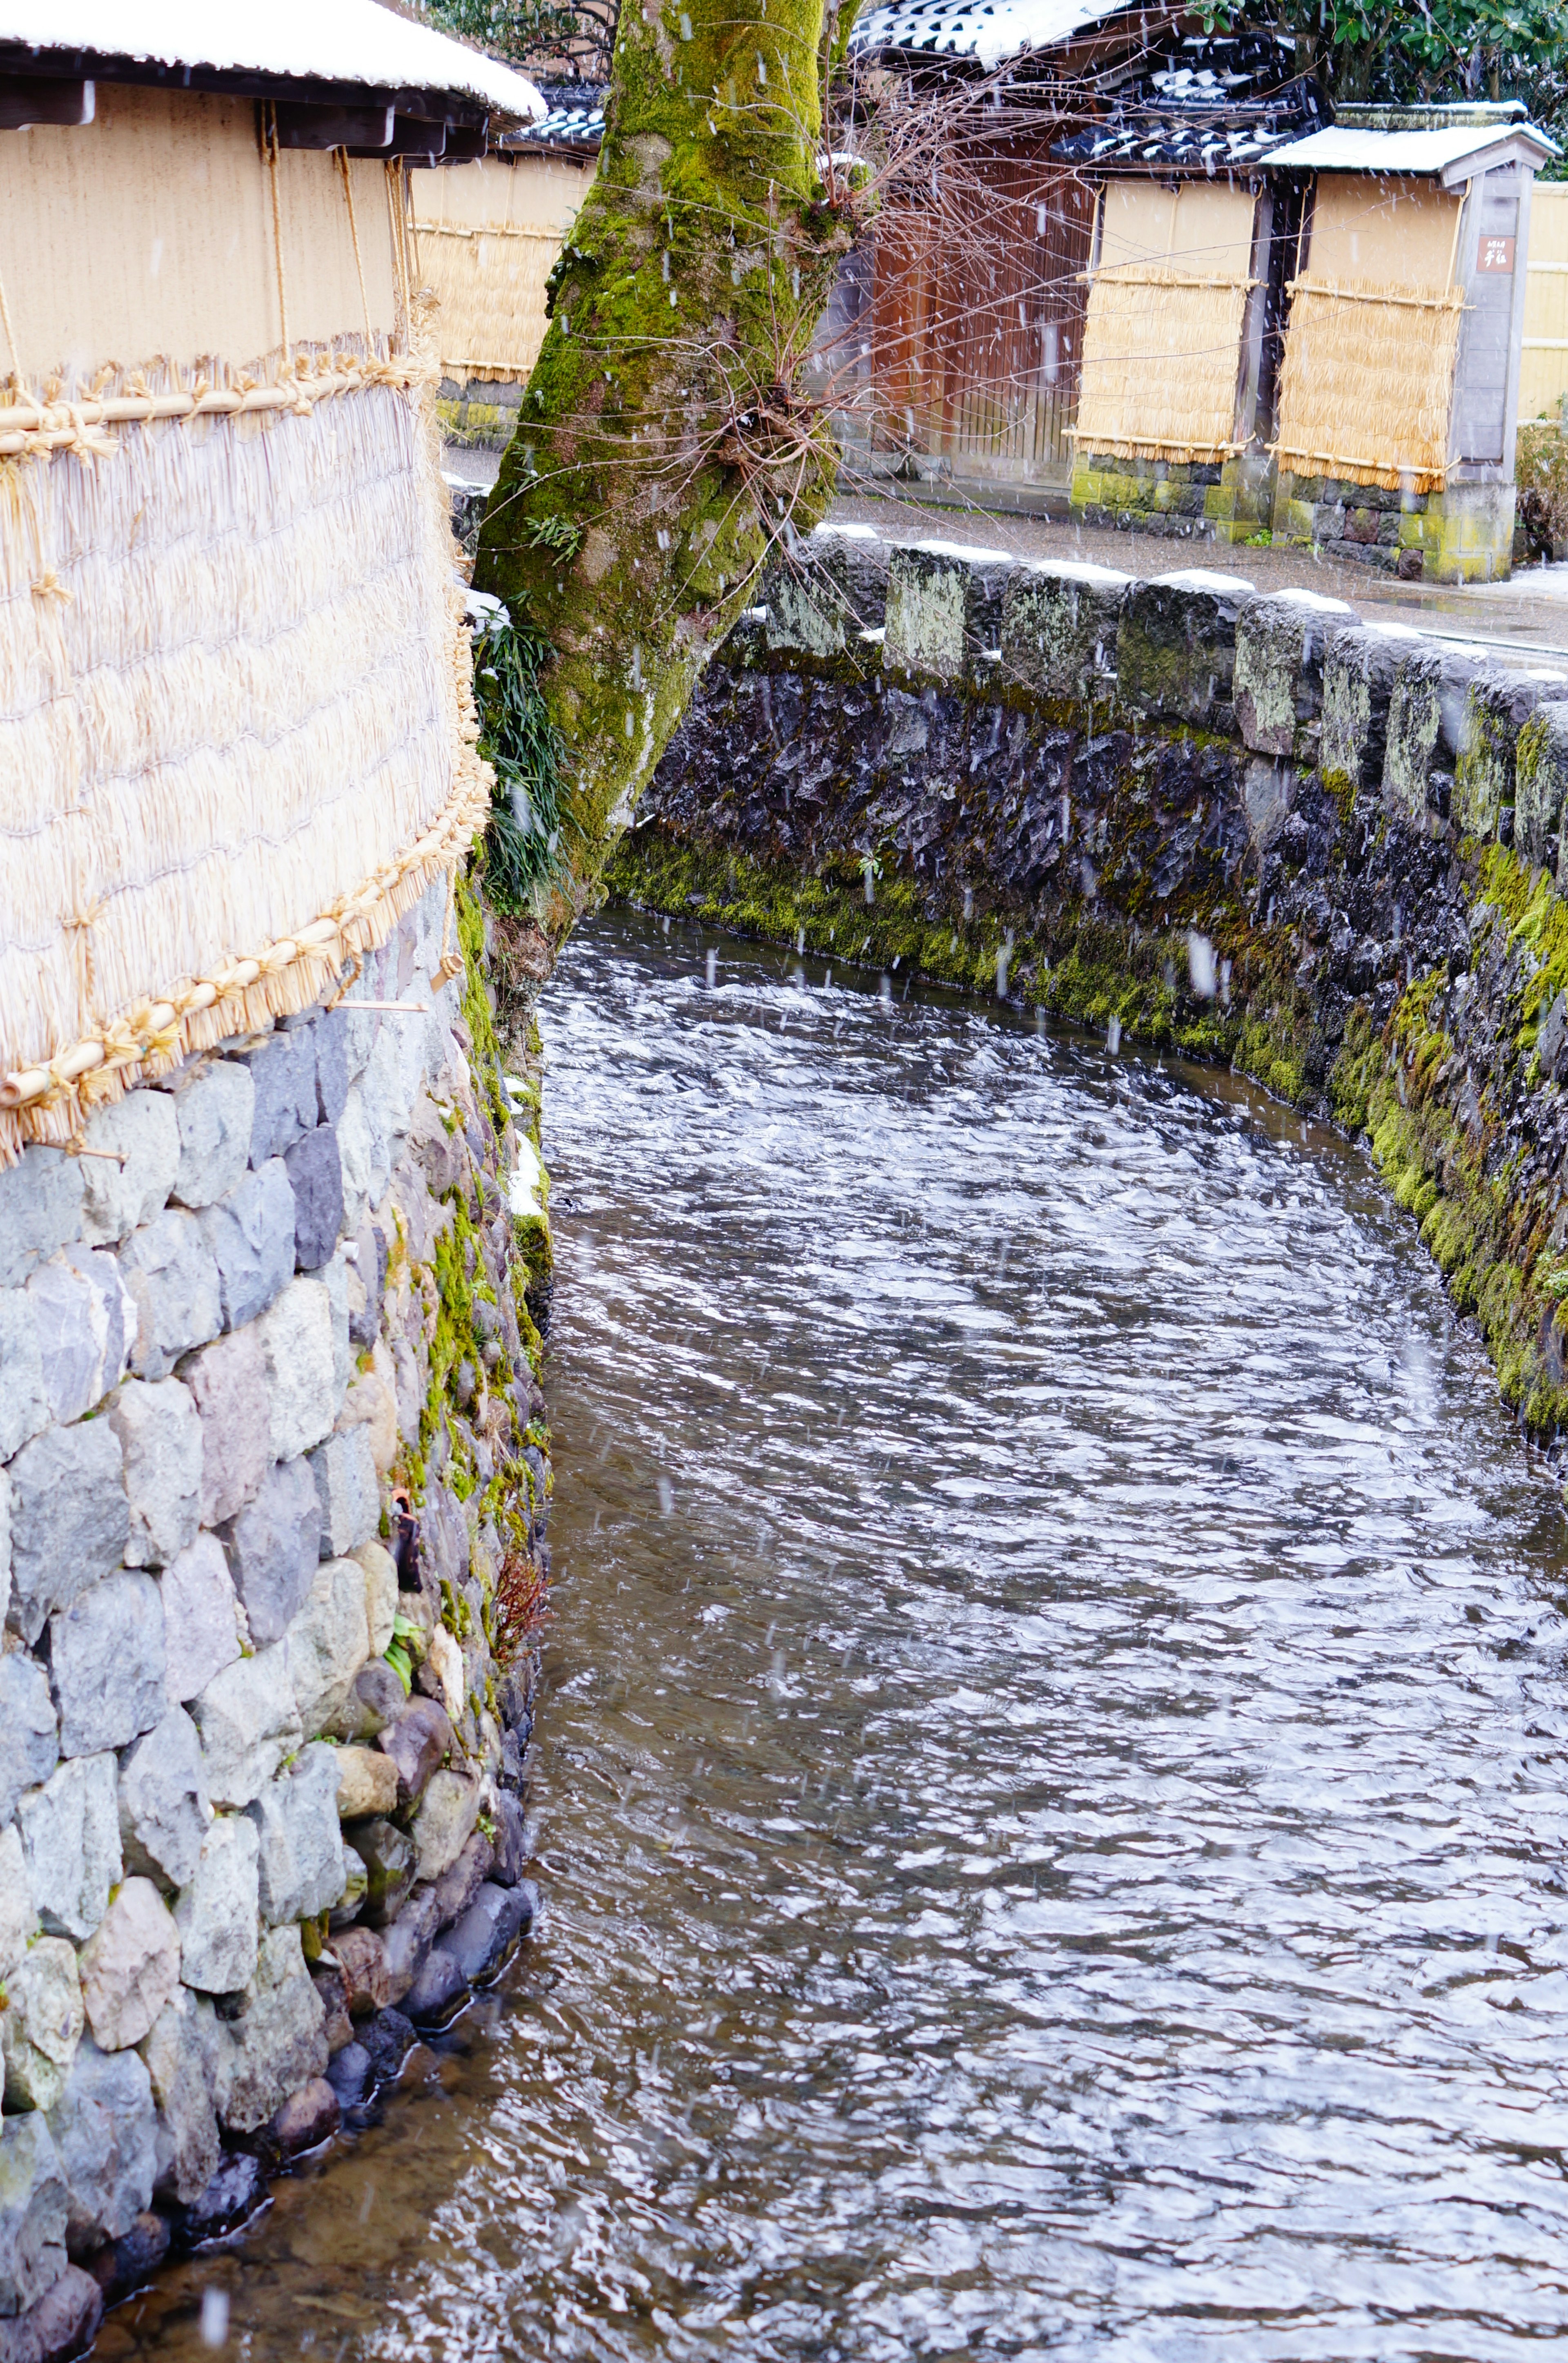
(272, 1505)
(1254, 828)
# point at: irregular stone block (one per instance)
(248, 1723)
(250, 1234)
(42, 2023)
(1058, 629)
(201, 1623)
(482, 1940)
(163, 1805)
(104, 2129)
(107, 1663)
(456, 1888)
(160, 1438)
(70, 1836)
(283, 1073)
(307, 2118)
(406, 1945)
(19, 1921)
(302, 1394)
(444, 1667)
(1358, 684)
(347, 1493)
(945, 609)
(29, 1729)
(363, 1964)
(327, 1643)
(280, 2041)
(440, 1990)
(377, 1699)
(417, 1743)
(380, 1593)
(41, 1209)
(1176, 646)
(1277, 687)
(512, 1849)
(129, 2262)
(331, 1033)
(217, 1914)
(187, 2055)
(388, 1855)
(85, 1322)
(315, 1173)
(69, 1519)
(367, 1783)
(1540, 777)
(445, 1818)
(235, 2193)
(24, 1406)
(215, 1105)
(130, 1967)
(829, 589)
(1426, 713)
(336, 1276)
(227, 1381)
(274, 1547)
(328, 1983)
(1498, 705)
(33, 2206)
(300, 1863)
(66, 2319)
(349, 2073)
(143, 1131)
(1268, 798)
(171, 1276)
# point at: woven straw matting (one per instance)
(1367, 386)
(235, 733)
(1161, 359)
(490, 287)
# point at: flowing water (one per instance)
(1050, 1782)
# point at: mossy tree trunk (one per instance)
(663, 438)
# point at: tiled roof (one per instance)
(574, 123)
(985, 30)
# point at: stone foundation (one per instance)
(1463, 534)
(1249, 828)
(273, 1506)
(478, 410)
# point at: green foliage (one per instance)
(1439, 50)
(563, 535)
(520, 30)
(1542, 474)
(522, 744)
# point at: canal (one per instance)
(1050, 1782)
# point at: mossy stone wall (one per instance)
(1249, 828)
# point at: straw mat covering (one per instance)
(1161, 354)
(1367, 385)
(490, 285)
(236, 732)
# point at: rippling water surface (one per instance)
(1050, 1775)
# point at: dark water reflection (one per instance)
(1051, 1784)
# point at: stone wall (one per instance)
(273, 1501)
(1465, 534)
(1252, 828)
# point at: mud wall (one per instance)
(1252, 828)
(272, 1502)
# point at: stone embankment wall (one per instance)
(272, 1500)
(1254, 828)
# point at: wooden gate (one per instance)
(978, 311)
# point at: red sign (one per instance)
(1495, 254)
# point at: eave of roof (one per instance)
(989, 31)
(332, 47)
(1456, 153)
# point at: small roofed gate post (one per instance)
(1399, 394)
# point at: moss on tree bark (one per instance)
(663, 440)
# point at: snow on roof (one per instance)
(985, 30)
(308, 41)
(1451, 154)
